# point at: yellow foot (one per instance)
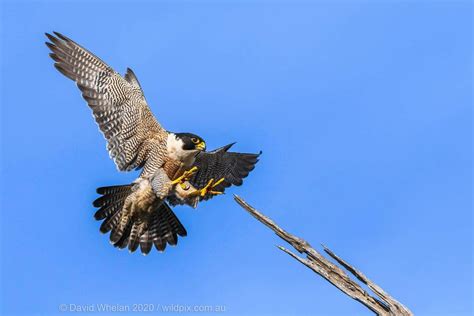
(209, 188)
(185, 177)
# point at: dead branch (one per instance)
(383, 304)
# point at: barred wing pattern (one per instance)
(221, 163)
(118, 104)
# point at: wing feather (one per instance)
(118, 103)
(220, 163)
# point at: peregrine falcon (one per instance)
(175, 167)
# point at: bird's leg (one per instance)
(209, 188)
(186, 176)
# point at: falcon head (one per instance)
(184, 146)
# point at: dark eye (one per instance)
(195, 140)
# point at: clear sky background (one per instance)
(363, 111)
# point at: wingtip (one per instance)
(50, 45)
(227, 147)
(61, 36)
(54, 57)
(50, 37)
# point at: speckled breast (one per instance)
(174, 168)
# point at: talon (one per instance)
(218, 182)
(204, 190)
(177, 180)
(215, 192)
(208, 189)
(191, 171)
(185, 177)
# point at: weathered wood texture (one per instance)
(383, 304)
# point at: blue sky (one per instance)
(363, 111)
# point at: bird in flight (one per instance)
(175, 168)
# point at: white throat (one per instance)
(175, 150)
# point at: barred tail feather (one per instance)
(146, 243)
(158, 228)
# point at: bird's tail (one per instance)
(159, 227)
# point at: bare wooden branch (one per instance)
(382, 305)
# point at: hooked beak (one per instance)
(201, 146)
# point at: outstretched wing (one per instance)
(221, 163)
(118, 104)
